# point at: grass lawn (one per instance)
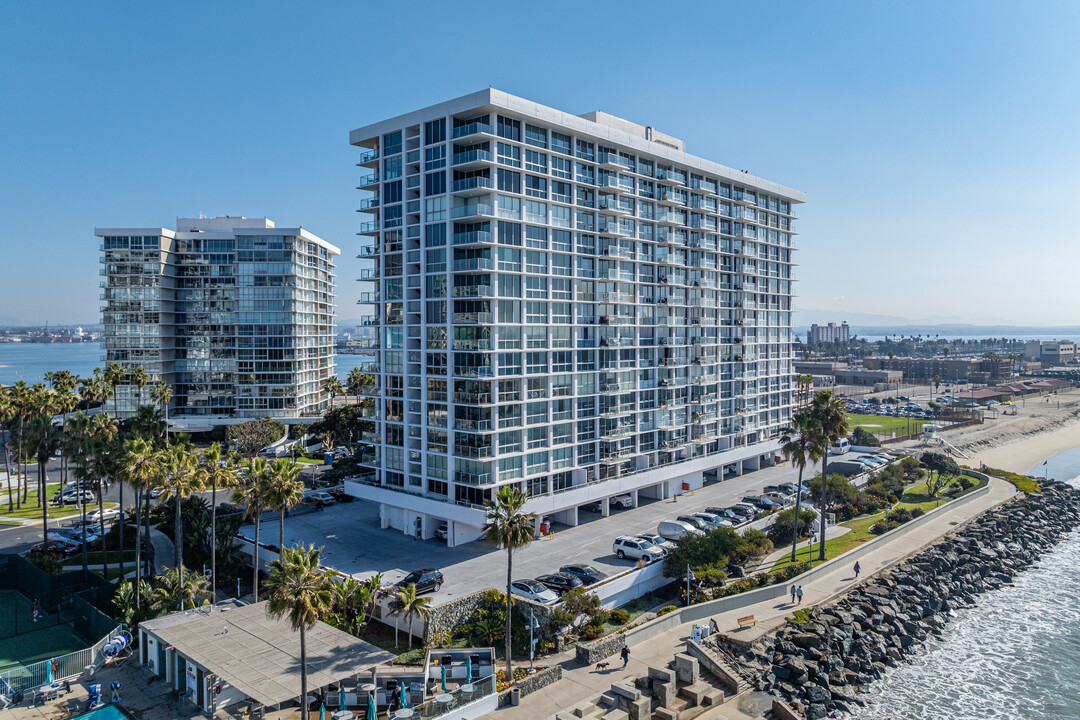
(8, 523)
(915, 496)
(93, 557)
(309, 461)
(31, 511)
(382, 636)
(885, 425)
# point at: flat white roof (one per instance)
(240, 226)
(601, 131)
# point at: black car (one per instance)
(560, 582)
(593, 507)
(587, 574)
(426, 580)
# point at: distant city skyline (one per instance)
(937, 144)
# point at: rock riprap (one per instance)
(820, 665)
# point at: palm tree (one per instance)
(64, 384)
(139, 378)
(333, 386)
(76, 437)
(407, 603)
(141, 467)
(830, 423)
(148, 421)
(507, 526)
(286, 491)
(43, 438)
(356, 381)
(220, 472)
(797, 445)
(8, 412)
(178, 588)
(114, 377)
(162, 395)
(255, 491)
(300, 589)
(181, 476)
(20, 396)
(101, 458)
(351, 598)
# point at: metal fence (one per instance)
(27, 677)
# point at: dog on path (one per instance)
(602, 665)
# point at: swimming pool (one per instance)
(106, 712)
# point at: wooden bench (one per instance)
(748, 620)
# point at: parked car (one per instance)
(778, 497)
(586, 573)
(694, 522)
(60, 547)
(726, 513)
(593, 507)
(665, 545)
(560, 582)
(533, 590)
(713, 521)
(636, 549)
(749, 510)
(340, 495)
(626, 502)
(674, 529)
(73, 497)
(319, 497)
(443, 531)
(760, 502)
(426, 580)
(74, 535)
(105, 514)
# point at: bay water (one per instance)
(1015, 656)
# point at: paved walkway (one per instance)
(584, 683)
(163, 550)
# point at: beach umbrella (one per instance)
(341, 697)
(468, 670)
(48, 673)
(322, 712)
(444, 678)
(372, 713)
(404, 696)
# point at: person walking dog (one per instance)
(625, 655)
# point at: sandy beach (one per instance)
(1019, 442)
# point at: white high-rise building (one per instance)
(235, 314)
(571, 304)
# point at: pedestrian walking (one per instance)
(798, 594)
(625, 655)
(857, 569)
(37, 609)
(115, 690)
(793, 593)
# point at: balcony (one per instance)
(369, 228)
(475, 318)
(472, 158)
(368, 180)
(668, 217)
(473, 210)
(670, 177)
(612, 204)
(369, 274)
(474, 451)
(473, 128)
(472, 425)
(367, 251)
(369, 297)
(368, 157)
(473, 183)
(473, 478)
(473, 291)
(472, 371)
(473, 264)
(610, 226)
(370, 204)
(472, 345)
(668, 196)
(614, 160)
(474, 237)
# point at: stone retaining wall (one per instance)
(605, 647)
(820, 666)
(450, 615)
(540, 679)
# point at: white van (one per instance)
(673, 530)
(841, 447)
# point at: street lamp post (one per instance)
(689, 577)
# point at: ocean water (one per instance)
(1015, 656)
(30, 361)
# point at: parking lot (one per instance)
(355, 545)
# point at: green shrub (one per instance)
(917, 512)
(618, 616)
(665, 610)
(800, 616)
(592, 632)
(781, 529)
(1023, 483)
(864, 438)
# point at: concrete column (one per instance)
(536, 525)
(605, 507)
(634, 494)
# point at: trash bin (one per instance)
(515, 696)
(543, 528)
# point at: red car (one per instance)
(54, 546)
(340, 495)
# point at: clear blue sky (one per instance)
(937, 142)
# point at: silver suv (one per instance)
(636, 549)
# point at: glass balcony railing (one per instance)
(474, 210)
(476, 264)
(475, 236)
(368, 156)
(473, 183)
(472, 128)
(370, 179)
(472, 156)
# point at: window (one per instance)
(560, 289)
(536, 463)
(535, 161)
(391, 192)
(508, 180)
(435, 157)
(535, 136)
(560, 265)
(535, 412)
(537, 437)
(584, 220)
(435, 131)
(564, 457)
(508, 207)
(535, 211)
(586, 360)
(586, 266)
(509, 233)
(536, 337)
(562, 409)
(391, 168)
(435, 183)
(585, 150)
(509, 155)
(510, 442)
(536, 237)
(434, 235)
(561, 361)
(560, 314)
(535, 186)
(509, 364)
(435, 209)
(560, 191)
(536, 312)
(436, 286)
(560, 239)
(436, 260)
(509, 259)
(586, 174)
(560, 336)
(561, 168)
(560, 142)
(392, 143)
(509, 338)
(535, 262)
(508, 128)
(536, 287)
(510, 468)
